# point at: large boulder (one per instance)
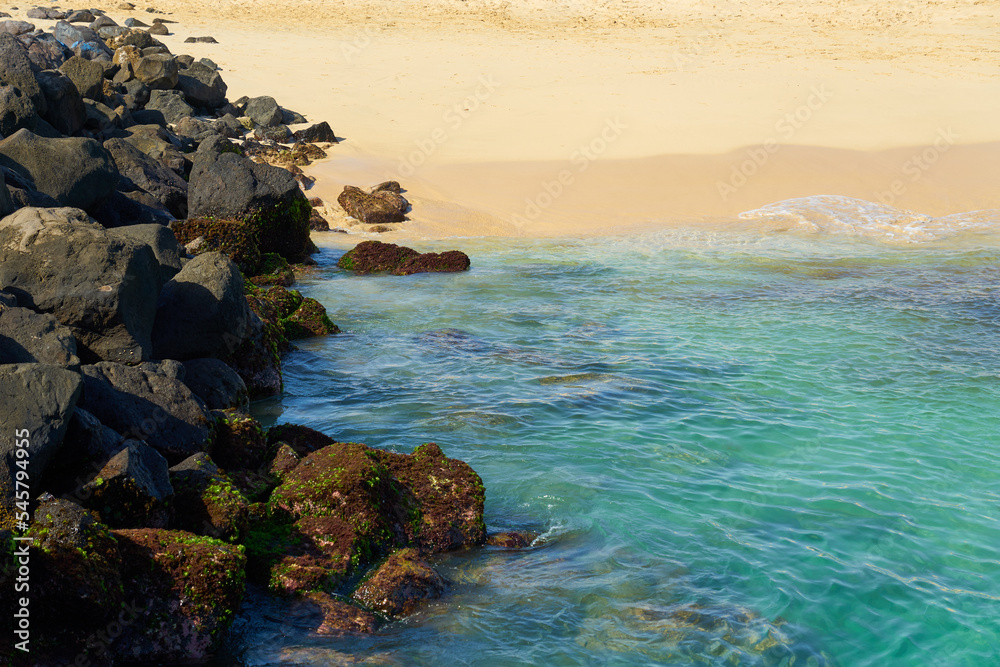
(16, 70)
(17, 111)
(170, 104)
(161, 241)
(139, 171)
(202, 311)
(86, 75)
(102, 287)
(132, 489)
(159, 71)
(148, 402)
(186, 588)
(230, 186)
(74, 171)
(36, 404)
(235, 238)
(214, 382)
(264, 111)
(29, 337)
(383, 206)
(65, 109)
(202, 86)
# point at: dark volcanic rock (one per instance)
(375, 256)
(186, 589)
(16, 111)
(214, 382)
(36, 404)
(46, 13)
(319, 132)
(30, 337)
(161, 241)
(205, 501)
(203, 312)
(87, 446)
(240, 443)
(158, 29)
(16, 70)
(203, 40)
(158, 71)
(102, 287)
(230, 186)
(170, 104)
(148, 402)
(76, 172)
(66, 111)
(264, 111)
(80, 16)
(86, 75)
(139, 171)
(132, 489)
(401, 584)
(381, 207)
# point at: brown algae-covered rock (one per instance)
(375, 256)
(401, 584)
(186, 588)
(441, 499)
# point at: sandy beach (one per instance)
(556, 118)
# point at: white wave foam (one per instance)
(832, 214)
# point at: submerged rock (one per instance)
(401, 584)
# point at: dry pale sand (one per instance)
(541, 117)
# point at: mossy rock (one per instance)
(401, 584)
(308, 320)
(239, 441)
(187, 589)
(284, 229)
(206, 502)
(235, 238)
(440, 501)
(76, 587)
(378, 257)
(273, 270)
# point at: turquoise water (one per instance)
(737, 449)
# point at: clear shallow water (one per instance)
(738, 449)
